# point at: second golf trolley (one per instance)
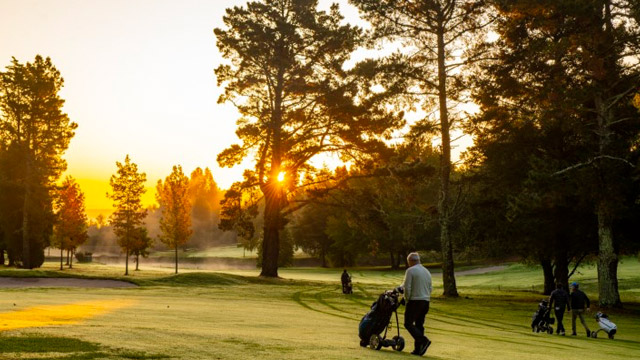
(378, 319)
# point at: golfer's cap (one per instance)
(574, 284)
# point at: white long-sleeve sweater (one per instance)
(417, 283)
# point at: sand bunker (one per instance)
(10, 282)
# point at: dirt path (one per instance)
(12, 282)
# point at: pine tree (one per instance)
(287, 79)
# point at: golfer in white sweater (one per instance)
(417, 291)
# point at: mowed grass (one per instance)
(200, 315)
(232, 252)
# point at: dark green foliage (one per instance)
(557, 133)
(308, 231)
(386, 209)
(34, 132)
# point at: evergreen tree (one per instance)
(127, 190)
(35, 132)
(560, 67)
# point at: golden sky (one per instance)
(138, 80)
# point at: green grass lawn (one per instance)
(204, 315)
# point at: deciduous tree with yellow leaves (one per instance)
(173, 197)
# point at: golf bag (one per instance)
(605, 324)
(378, 319)
(347, 287)
(541, 319)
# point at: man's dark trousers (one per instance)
(559, 316)
(414, 316)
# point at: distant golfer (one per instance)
(559, 300)
(417, 291)
(579, 301)
(347, 288)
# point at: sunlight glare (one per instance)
(281, 176)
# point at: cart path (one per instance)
(13, 282)
(482, 270)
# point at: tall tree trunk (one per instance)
(12, 257)
(126, 263)
(138, 262)
(547, 270)
(394, 265)
(2, 256)
(561, 270)
(71, 259)
(271, 240)
(271, 190)
(607, 260)
(176, 257)
(607, 257)
(26, 242)
(67, 258)
(448, 275)
(61, 258)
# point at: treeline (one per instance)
(552, 175)
(204, 196)
(38, 211)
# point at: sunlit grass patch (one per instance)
(50, 315)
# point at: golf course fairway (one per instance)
(215, 315)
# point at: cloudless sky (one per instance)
(138, 80)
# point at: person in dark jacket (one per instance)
(579, 301)
(558, 301)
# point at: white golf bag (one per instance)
(605, 324)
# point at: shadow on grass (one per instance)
(51, 347)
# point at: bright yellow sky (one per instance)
(138, 80)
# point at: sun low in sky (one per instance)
(138, 80)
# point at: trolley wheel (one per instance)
(363, 343)
(550, 330)
(398, 343)
(538, 329)
(594, 335)
(375, 342)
